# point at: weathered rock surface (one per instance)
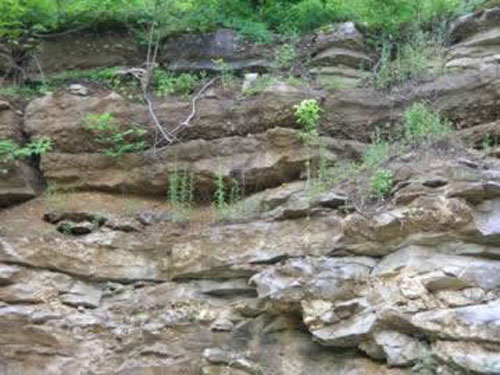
(61, 116)
(261, 161)
(194, 52)
(16, 183)
(71, 52)
(339, 57)
(306, 282)
(476, 38)
(467, 99)
(141, 294)
(17, 179)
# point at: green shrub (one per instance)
(220, 198)
(180, 193)
(285, 57)
(102, 122)
(114, 142)
(227, 73)
(413, 59)
(252, 18)
(308, 15)
(226, 199)
(308, 114)
(9, 150)
(254, 31)
(421, 123)
(168, 84)
(377, 152)
(381, 183)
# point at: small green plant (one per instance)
(65, 228)
(285, 57)
(168, 84)
(295, 81)
(486, 143)
(381, 183)
(102, 122)
(343, 170)
(220, 200)
(181, 193)
(9, 150)
(227, 199)
(308, 114)
(227, 73)
(383, 77)
(422, 123)
(260, 84)
(409, 60)
(114, 142)
(377, 152)
(234, 192)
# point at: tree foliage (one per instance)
(253, 17)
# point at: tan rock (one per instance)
(16, 183)
(60, 116)
(257, 162)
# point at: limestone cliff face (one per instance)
(97, 275)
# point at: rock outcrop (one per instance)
(61, 116)
(102, 276)
(18, 180)
(412, 285)
(476, 39)
(258, 161)
(221, 49)
(339, 57)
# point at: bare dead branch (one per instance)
(187, 122)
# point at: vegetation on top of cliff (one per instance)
(253, 18)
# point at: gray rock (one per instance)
(439, 271)
(347, 333)
(222, 325)
(7, 274)
(16, 183)
(470, 323)
(77, 89)
(123, 224)
(249, 81)
(480, 358)
(399, 349)
(201, 51)
(82, 294)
